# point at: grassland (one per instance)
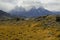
(41, 28)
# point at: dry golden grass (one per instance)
(47, 29)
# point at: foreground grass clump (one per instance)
(34, 29)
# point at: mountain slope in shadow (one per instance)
(4, 15)
(31, 13)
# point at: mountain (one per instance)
(18, 12)
(4, 15)
(56, 12)
(37, 12)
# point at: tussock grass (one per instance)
(46, 29)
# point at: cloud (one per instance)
(9, 1)
(53, 5)
(55, 1)
(6, 5)
(29, 3)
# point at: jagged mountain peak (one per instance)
(33, 12)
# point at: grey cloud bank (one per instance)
(8, 5)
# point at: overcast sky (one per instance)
(8, 5)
